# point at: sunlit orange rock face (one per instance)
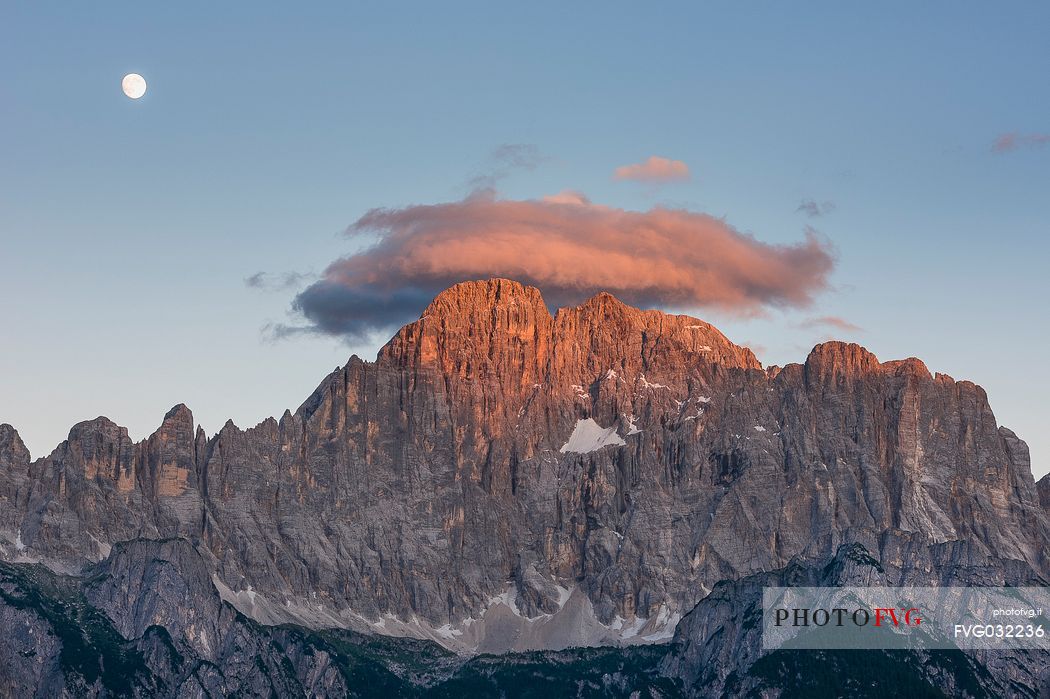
(630, 458)
(498, 350)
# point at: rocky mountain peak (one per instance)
(832, 360)
(605, 304)
(100, 428)
(499, 325)
(97, 447)
(171, 453)
(144, 583)
(13, 451)
(179, 414)
(467, 297)
(912, 367)
(473, 324)
(835, 360)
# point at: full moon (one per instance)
(133, 85)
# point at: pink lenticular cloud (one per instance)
(655, 169)
(832, 322)
(568, 247)
(1013, 140)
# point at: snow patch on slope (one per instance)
(509, 599)
(589, 436)
(646, 384)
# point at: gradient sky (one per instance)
(129, 228)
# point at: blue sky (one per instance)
(128, 228)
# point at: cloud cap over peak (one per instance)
(655, 169)
(568, 247)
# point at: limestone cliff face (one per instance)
(503, 478)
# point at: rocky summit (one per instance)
(605, 486)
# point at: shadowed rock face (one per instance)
(717, 649)
(431, 493)
(148, 622)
